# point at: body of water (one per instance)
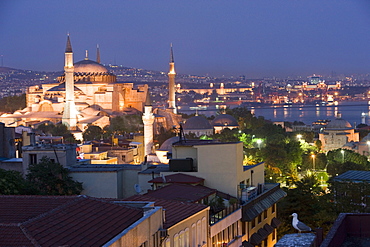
(351, 111)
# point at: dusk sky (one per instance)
(241, 37)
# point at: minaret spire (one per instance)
(68, 46)
(86, 55)
(171, 83)
(70, 113)
(148, 120)
(97, 54)
(171, 55)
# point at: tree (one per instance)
(13, 103)
(12, 183)
(51, 178)
(318, 145)
(337, 168)
(343, 155)
(309, 201)
(92, 132)
(58, 130)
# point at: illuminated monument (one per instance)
(70, 112)
(87, 93)
(171, 84)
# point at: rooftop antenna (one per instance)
(181, 134)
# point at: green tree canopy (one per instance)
(12, 183)
(338, 168)
(51, 178)
(13, 103)
(343, 155)
(124, 124)
(58, 130)
(92, 132)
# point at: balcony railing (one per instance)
(214, 218)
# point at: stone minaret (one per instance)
(97, 54)
(70, 112)
(148, 120)
(171, 84)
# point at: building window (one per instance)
(199, 232)
(186, 237)
(273, 234)
(259, 218)
(265, 243)
(33, 159)
(265, 214)
(193, 235)
(273, 208)
(168, 243)
(204, 231)
(176, 240)
(253, 223)
(244, 230)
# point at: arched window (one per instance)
(199, 232)
(193, 235)
(176, 240)
(204, 231)
(186, 238)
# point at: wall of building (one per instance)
(192, 231)
(221, 165)
(62, 154)
(142, 232)
(100, 184)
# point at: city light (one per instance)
(259, 142)
(313, 161)
(342, 151)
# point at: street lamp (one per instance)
(313, 161)
(299, 136)
(259, 141)
(342, 151)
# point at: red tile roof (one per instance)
(182, 192)
(178, 178)
(175, 211)
(64, 220)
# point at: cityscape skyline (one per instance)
(263, 38)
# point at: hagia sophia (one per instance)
(88, 94)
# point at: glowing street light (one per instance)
(313, 161)
(342, 151)
(259, 141)
(299, 136)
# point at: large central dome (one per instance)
(89, 66)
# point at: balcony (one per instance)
(214, 218)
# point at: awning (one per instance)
(263, 233)
(275, 222)
(247, 244)
(255, 239)
(268, 228)
(263, 202)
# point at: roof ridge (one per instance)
(29, 236)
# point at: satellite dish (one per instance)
(137, 188)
